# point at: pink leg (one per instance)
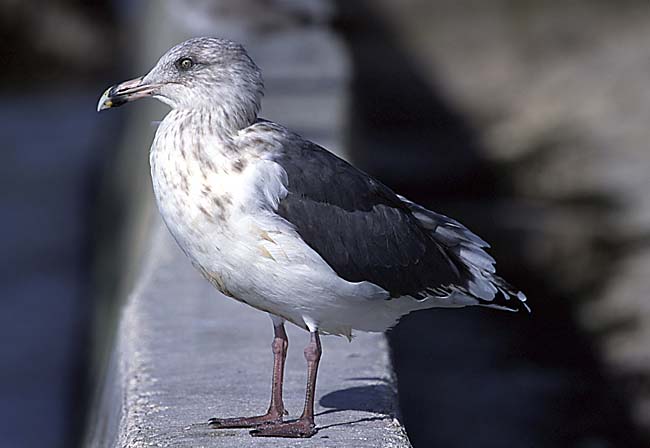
(276, 409)
(304, 426)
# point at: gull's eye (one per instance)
(184, 64)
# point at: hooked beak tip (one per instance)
(125, 92)
(105, 101)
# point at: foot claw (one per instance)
(295, 429)
(244, 422)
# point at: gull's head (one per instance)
(203, 72)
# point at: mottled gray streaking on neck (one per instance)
(223, 81)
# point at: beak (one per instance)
(125, 92)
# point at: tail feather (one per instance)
(509, 296)
(467, 251)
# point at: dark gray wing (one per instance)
(360, 227)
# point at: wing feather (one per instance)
(361, 228)
(366, 232)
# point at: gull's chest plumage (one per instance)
(201, 191)
(220, 204)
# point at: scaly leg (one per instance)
(304, 426)
(276, 409)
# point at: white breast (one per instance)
(220, 204)
(204, 188)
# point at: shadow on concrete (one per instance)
(372, 398)
(375, 398)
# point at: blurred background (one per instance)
(527, 120)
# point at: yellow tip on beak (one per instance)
(125, 92)
(104, 101)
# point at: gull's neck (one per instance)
(223, 121)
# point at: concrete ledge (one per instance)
(185, 353)
(182, 352)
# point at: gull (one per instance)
(285, 226)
